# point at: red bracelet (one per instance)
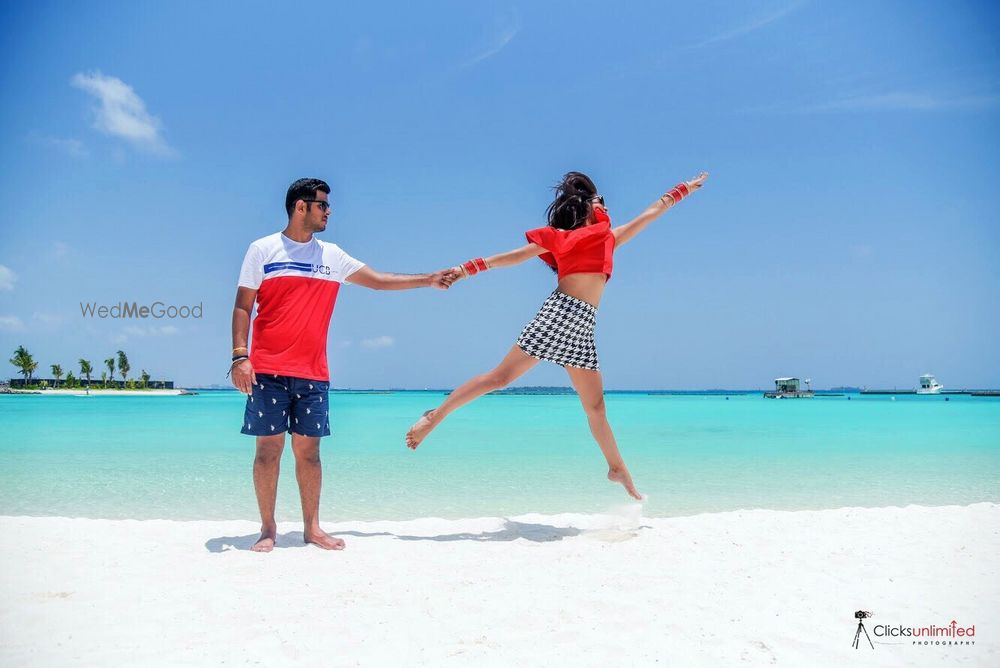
(473, 267)
(679, 192)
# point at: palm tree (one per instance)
(86, 369)
(25, 362)
(104, 379)
(145, 378)
(123, 367)
(110, 363)
(57, 373)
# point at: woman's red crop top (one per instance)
(585, 249)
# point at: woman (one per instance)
(578, 243)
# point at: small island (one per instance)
(65, 383)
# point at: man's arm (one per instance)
(377, 280)
(243, 375)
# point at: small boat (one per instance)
(788, 388)
(929, 385)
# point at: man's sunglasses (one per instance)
(599, 199)
(322, 203)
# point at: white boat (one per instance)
(929, 385)
(788, 388)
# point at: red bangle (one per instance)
(473, 267)
(679, 192)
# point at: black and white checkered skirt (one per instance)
(562, 332)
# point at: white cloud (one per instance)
(122, 113)
(907, 101)
(60, 249)
(7, 278)
(152, 330)
(11, 323)
(50, 319)
(505, 28)
(69, 146)
(861, 251)
(749, 27)
(889, 101)
(378, 342)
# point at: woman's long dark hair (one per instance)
(571, 207)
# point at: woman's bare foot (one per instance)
(418, 432)
(266, 541)
(322, 539)
(622, 477)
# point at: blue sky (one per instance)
(849, 231)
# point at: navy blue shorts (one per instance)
(286, 403)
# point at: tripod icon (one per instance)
(860, 615)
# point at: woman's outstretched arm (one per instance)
(508, 259)
(625, 232)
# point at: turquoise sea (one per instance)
(184, 458)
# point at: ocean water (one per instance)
(184, 458)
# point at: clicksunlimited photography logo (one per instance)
(861, 615)
(157, 309)
(948, 635)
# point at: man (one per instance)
(294, 279)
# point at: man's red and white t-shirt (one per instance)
(297, 285)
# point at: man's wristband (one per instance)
(236, 360)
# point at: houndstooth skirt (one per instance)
(562, 332)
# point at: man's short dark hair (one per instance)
(303, 189)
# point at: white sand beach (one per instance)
(740, 588)
(49, 392)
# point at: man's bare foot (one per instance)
(418, 432)
(324, 540)
(622, 477)
(266, 541)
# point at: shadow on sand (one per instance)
(225, 543)
(536, 533)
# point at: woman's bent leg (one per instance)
(513, 366)
(590, 387)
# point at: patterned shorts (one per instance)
(562, 332)
(285, 403)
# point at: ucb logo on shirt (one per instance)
(321, 269)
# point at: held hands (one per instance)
(443, 279)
